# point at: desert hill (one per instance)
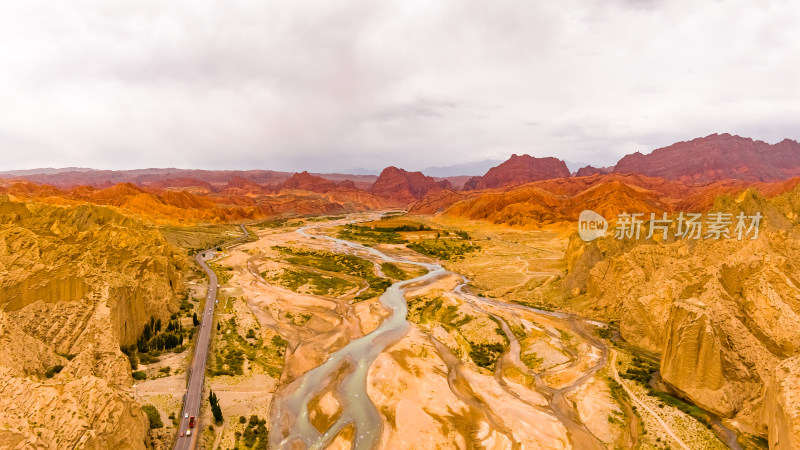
(238, 200)
(723, 314)
(78, 283)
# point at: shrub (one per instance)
(139, 375)
(392, 271)
(153, 416)
(485, 355)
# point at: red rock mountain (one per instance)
(717, 157)
(242, 186)
(407, 187)
(304, 181)
(519, 170)
(592, 170)
(531, 206)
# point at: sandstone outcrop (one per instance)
(519, 169)
(534, 206)
(723, 314)
(782, 406)
(78, 283)
(304, 181)
(404, 186)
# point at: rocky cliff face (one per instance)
(717, 157)
(519, 169)
(722, 314)
(78, 282)
(782, 406)
(406, 187)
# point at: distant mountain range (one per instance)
(702, 160)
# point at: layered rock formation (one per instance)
(717, 157)
(78, 282)
(439, 201)
(240, 200)
(404, 186)
(535, 205)
(723, 314)
(304, 181)
(519, 169)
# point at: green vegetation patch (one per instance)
(318, 284)
(337, 263)
(752, 442)
(532, 360)
(324, 218)
(369, 236)
(392, 271)
(444, 249)
(153, 416)
(255, 435)
(485, 339)
(298, 319)
(224, 273)
(272, 223)
(486, 355)
(640, 370)
(231, 349)
(687, 408)
(156, 339)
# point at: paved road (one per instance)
(193, 397)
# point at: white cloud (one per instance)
(333, 85)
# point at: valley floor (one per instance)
(483, 364)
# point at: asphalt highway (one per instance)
(193, 397)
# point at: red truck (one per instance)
(191, 422)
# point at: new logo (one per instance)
(591, 225)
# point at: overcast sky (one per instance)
(332, 85)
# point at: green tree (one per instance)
(194, 319)
(215, 408)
